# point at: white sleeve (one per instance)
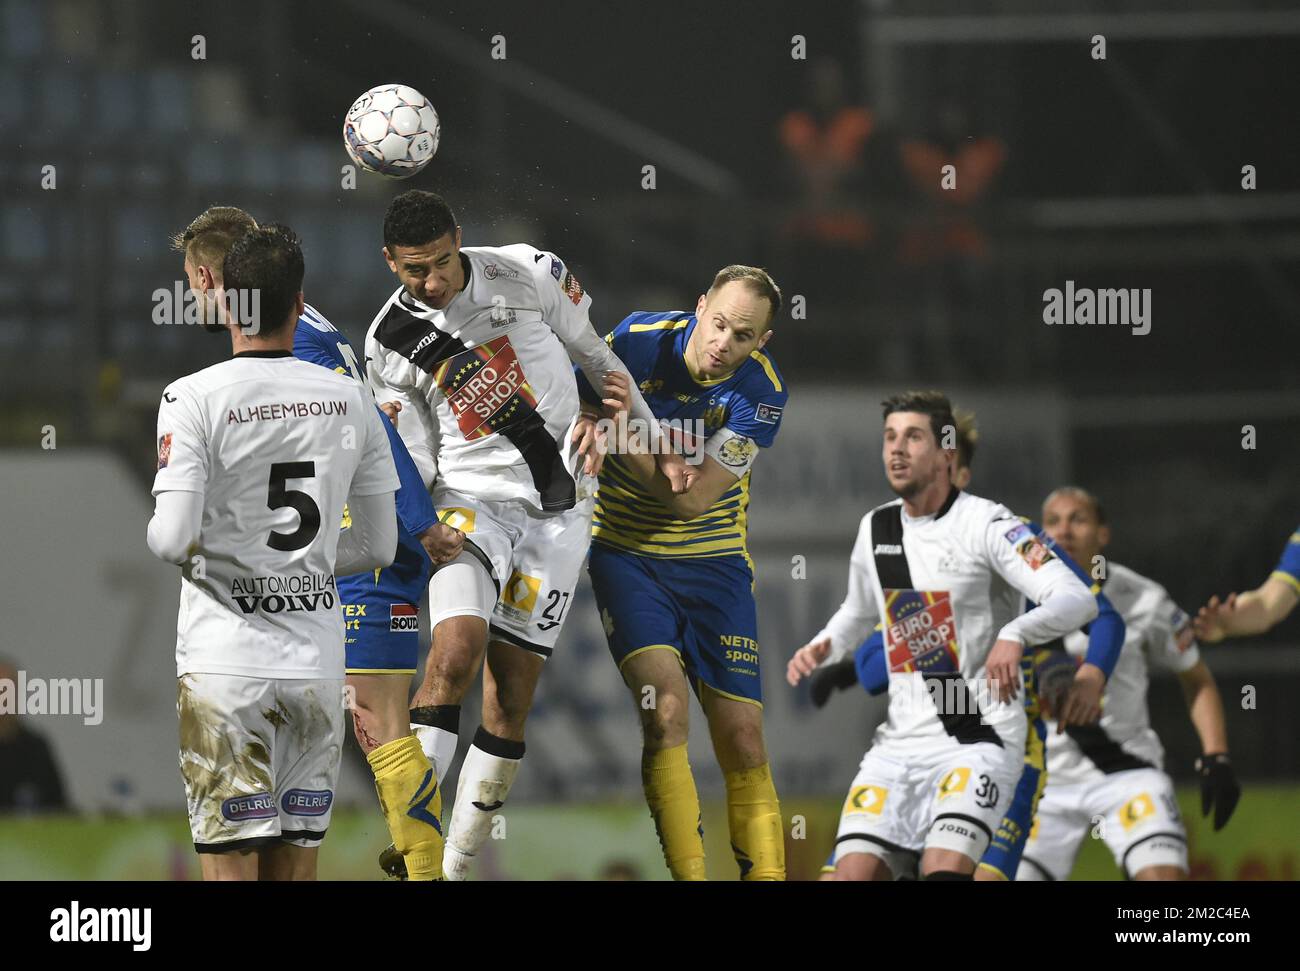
(176, 524)
(566, 309)
(1064, 603)
(1168, 638)
(416, 424)
(371, 541)
(182, 442)
(858, 614)
(375, 472)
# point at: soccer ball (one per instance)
(391, 130)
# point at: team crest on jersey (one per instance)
(920, 632)
(164, 451)
(736, 452)
(714, 417)
(866, 800)
(486, 388)
(1033, 552)
(556, 268)
(572, 288)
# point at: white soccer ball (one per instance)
(391, 130)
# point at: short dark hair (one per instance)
(932, 403)
(209, 237)
(267, 260)
(756, 279)
(1078, 492)
(968, 436)
(417, 217)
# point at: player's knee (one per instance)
(1161, 873)
(745, 742)
(665, 722)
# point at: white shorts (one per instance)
(1134, 811)
(260, 758)
(952, 797)
(535, 561)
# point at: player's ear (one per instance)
(700, 304)
(300, 306)
(206, 279)
(1103, 536)
(457, 237)
(762, 341)
(388, 258)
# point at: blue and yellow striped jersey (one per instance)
(749, 402)
(1288, 569)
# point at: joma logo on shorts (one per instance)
(293, 603)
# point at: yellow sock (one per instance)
(675, 806)
(754, 816)
(412, 805)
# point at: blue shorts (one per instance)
(1008, 843)
(700, 607)
(380, 612)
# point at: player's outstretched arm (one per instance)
(1244, 614)
(1219, 788)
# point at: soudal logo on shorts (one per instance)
(307, 802)
(403, 617)
(260, 805)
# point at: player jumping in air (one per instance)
(671, 572)
(1258, 610)
(476, 347)
(252, 476)
(944, 571)
(379, 607)
(1112, 771)
(1054, 687)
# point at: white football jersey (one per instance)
(1158, 632)
(945, 589)
(275, 445)
(490, 378)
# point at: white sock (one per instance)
(486, 775)
(439, 747)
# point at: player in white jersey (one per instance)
(1107, 778)
(943, 571)
(256, 457)
(476, 347)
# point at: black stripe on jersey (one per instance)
(402, 331)
(1103, 751)
(894, 574)
(1123, 863)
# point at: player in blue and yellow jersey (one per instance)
(379, 608)
(1258, 610)
(671, 572)
(1053, 686)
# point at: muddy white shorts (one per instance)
(260, 758)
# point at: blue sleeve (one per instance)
(309, 345)
(1288, 567)
(869, 660)
(1105, 636)
(1107, 632)
(415, 509)
(756, 410)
